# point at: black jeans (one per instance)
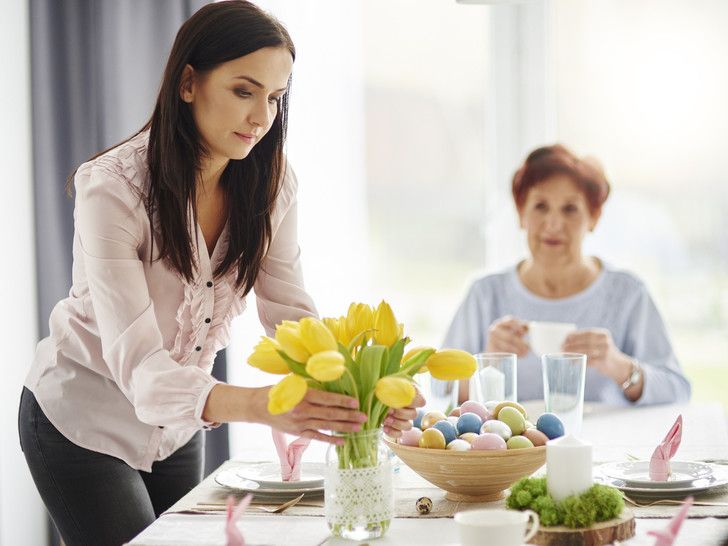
(96, 499)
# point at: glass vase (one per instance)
(358, 487)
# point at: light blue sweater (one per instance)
(616, 300)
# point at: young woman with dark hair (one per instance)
(173, 227)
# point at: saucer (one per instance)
(695, 486)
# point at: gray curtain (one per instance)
(96, 68)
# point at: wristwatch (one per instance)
(634, 376)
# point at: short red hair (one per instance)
(545, 162)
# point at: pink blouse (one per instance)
(126, 368)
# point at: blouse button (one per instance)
(209, 284)
(207, 321)
(198, 348)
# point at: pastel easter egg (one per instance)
(430, 418)
(469, 422)
(509, 404)
(497, 427)
(455, 411)
(417, 421)
(471, 406)
(469, 437)
(550, 425)
(410, 437)
(458, 445)
(454, 420)
(448, 430)
(490, 405)
(537, 437)
(513, 418)
(433, 439)
(487, 441)
(518, 442)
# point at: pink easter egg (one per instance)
(411, 437)
(487, 441)
(454, 412)
(537, 437)
(474, 407)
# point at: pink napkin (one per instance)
(232, 533)
(290, 455)
(666, 536)
(660, 462)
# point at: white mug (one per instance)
(496, 527)
(547, 337)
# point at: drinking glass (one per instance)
(495, 378)
(564, 375)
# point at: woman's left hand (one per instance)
(400, 419)
(601, 352)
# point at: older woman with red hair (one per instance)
(559, 199)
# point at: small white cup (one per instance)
(547, 337)
(496, 527)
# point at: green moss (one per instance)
(598, 503)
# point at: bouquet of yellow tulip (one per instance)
(360, 355)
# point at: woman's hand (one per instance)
(601, 352)
(319, 410)
(400, 419)
(506, 335)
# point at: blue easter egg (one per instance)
(448, 430)
(550, 425)
(469, 422)
(417, 422)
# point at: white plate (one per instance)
(229, 478)
(268, 475)
(696, 486)
(637, 474)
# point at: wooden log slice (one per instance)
(604, 532)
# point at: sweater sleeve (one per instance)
(279, 289)
(468, 328)
(108, 225)
(647, 341)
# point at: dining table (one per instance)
(617, 434)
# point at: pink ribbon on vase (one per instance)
(232, 533)
(290, 455)
(666, 536)
(660, 462)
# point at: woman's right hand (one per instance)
(506, 335)
(319, 410)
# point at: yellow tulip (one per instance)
(288, 334)
(333, 325)
(385, 325)
(326, 366)
(414, 351)
(265, 357)
(360, 318)
(287, 394)
(316, 337)
(451, 364)
(395, 392)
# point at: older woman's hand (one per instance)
(506, 335)
(400, 419)
(601, 352)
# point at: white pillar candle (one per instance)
(568, 467)
(492, 384)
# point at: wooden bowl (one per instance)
(471, 476)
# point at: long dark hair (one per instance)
(217, 33)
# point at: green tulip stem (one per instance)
(353, 383)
